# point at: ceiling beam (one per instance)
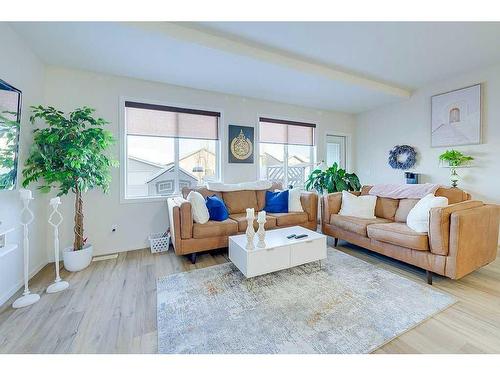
(277, 57)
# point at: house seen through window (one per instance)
(286, 151)
(168, 148)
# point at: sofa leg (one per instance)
(335, 242)
(192, 257)
(429, 277)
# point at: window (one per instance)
(168, 148)
(286, 151)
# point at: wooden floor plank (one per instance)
(110, 307)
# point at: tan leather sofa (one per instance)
(190, 238)
(463, 236)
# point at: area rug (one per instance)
(346, 306)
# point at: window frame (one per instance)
(296, 120)
(124, 151)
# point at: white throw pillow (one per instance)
(418, 217)
(199, 208)
(362, 206)
(294, 204)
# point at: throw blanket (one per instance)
(401, 191)
(254, 185)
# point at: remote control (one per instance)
(291, 236)
(301, 236)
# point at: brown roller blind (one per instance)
(163, 121)
(286, 132)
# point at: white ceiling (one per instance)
(350, 67)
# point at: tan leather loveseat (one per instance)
(190, 238)
(462, 236)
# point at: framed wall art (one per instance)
(241, 144)
(456, 117)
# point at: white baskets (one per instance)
(159, 242)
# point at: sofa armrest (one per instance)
(309, 201)
(182, 218)
(331, 205)
(473, 239)
(439, 225)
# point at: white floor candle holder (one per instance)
(250, 232)
(27, 298)
(261, 233)
(55, 219)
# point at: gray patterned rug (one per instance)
(347, 306)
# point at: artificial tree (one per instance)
(332, 180)
(70, 154)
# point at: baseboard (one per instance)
(6, 296)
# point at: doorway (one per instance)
(336, 150)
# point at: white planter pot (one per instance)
(77, 260)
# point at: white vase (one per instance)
(77, 260)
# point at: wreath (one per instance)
(402, 157)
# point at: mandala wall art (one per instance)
(241, 144)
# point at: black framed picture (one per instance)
(241, 144)
(10, 117)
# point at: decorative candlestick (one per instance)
(250, 232)
(261, 234)
(27, 298)
(55, 219)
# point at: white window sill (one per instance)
(163, 198)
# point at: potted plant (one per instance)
(332, 180)
(454, 159)
(70, 155)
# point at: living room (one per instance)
(137, 160)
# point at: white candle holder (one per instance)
(27, 298)
(261, 233)
(250, 232)
(55, 219)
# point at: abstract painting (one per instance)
(456, 117)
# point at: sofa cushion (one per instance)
(199, 209)
(241, 219)
(290, 218)
(212, 228)
(399, 234)
(404, 208)
(418, 218)
(238, 201)
(386, 208)
(277, 201)
(358, 206)
(454, 195)
(354, 224)
(217, 210)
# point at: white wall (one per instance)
(67, 89)
(22, 69)
(408, 122)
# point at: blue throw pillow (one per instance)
(216, 208)
(276, 202)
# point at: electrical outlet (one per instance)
(114, 228)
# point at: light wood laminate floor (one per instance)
(111, 308)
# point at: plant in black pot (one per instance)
(70, 155)
(332, 180)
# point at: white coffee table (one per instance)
(280, 252)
